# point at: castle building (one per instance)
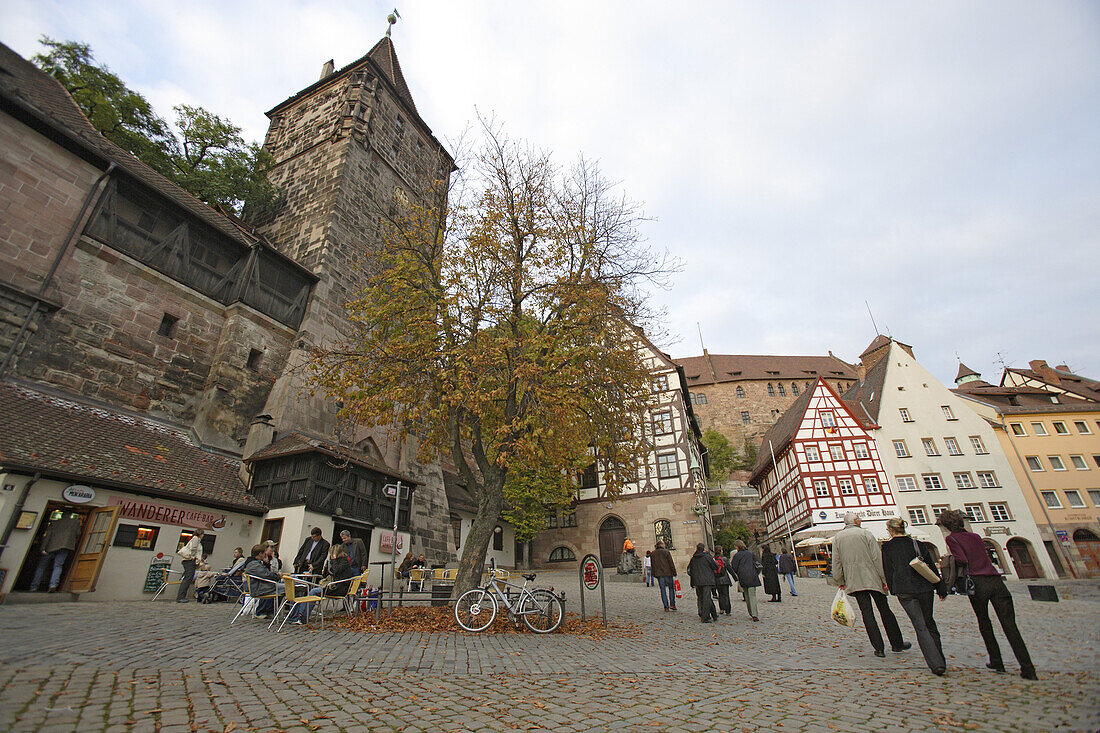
(1051, 438)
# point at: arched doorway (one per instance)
(1088, 544)
(995, 556)
(1022, 558)
(612, 536)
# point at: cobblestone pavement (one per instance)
(144, 666)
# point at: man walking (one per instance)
(664, 571)
(857, 568)
(703, 572)
(787, 568)
(190, 554)
(58, 543)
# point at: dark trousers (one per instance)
(187, 579)
(724, 598)
(991, 589)
(668, 590)
(918, 607)
(706, 603)
(867, 600)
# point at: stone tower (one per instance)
(348, 149)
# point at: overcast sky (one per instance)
(938, 160)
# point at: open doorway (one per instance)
(357, 532)
(55, 511)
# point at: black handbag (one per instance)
(964, 585)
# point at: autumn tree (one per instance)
(721, 455)
(496, 325)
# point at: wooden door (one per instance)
(91, 550)
(1021, 559)
(612, 536)
(1089, 547)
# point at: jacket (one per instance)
(61, 535)
(316, 558)
(357, 552)
(743, 566)
(857, 560)
(724, 577)
(786, 564)
(342, 575)
(902, 579)
(662, 565)
(192, 550)
(257, 569)
(702, 569)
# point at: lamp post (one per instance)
(395, 491)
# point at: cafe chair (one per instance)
(292, 600)
(248, 595)
(416, 576)
(450, 574)
(351, 598)
(166, 580)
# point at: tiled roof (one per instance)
(296, 443)
(965, 371)
(1017, 400)
(65, 438)
(459, 497)
(781, 433)
(865, 397)
(1084, 387)
(43, 97)
(737, 368)
(877, 343)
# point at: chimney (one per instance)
(1064, 368)
(1040, 367)
(328, 68)
(861, 371)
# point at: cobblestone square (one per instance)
(168, 667)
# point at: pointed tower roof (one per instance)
(965, 371)
(875, 345)
(384, 55)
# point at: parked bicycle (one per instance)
(540, 609)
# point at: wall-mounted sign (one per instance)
(990, 531)
(78, 494)
(385, 542)
(149, 512)
(1063, 536)
(26, 520)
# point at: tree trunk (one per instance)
(472, 563)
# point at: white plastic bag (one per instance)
(249, 605)
(842, 610)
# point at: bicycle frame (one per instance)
(495, 586)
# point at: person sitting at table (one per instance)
(342, 575)
(258, 568)
(411, 561)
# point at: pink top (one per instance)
(969, 548)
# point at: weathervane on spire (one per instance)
(391, 19)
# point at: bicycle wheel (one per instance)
(475, 609)
(541, 611)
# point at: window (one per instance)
(1082, 427)
(745, 417)
(1073, 497)
(1096, 460)
(1060, 428)
(1039, 428)
(974, 512)
(393, 152)
(836, 452)
(947, 412)
(782, 391)
(1056, 463)
(932, 481)
(1034, 463)
(917, 515)
(1094, 494)
(870, 484)
(827, 418)
(588, 478)
(498, 538)
(906, 483)
(207, 541)
(952, 447)
(740, 391)
(660, 383)
(794, 389)
(901, 449)
(812, 453)
(771, 390)
(666, 465)
(979, 446)
(700, 399)
(821, 487)
(904, 415)
(1079, 463)
(662, 530)
(930, 446)
(1017, 428)
(846, 487)
(662, 422)
(1051, 499)
(136, 537)
(167, 327)
(963, 480)
(552, 520)
(987, 479)
(562, 554)
(938, 509)
(999, 512)
(254, 358)
(861, 450)
(569, 518)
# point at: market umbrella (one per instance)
(813, 542)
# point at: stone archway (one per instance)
(612, 536)
(1023, 559)
(995, 555)
(1088, 544)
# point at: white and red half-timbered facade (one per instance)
(826, 465)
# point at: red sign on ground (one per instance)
(591, 571)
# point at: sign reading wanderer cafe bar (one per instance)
(150, 512)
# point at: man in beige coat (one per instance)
(857, 569)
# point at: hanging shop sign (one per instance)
(77, 494)
(149, 512)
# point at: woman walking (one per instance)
(989, 588)
(647, 569)
(724, 580)
(913, 590)
(746, 568)
(771, 575)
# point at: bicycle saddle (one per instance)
(529, 576)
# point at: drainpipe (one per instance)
(1042, 504)
(74, 231)
(16, 511)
